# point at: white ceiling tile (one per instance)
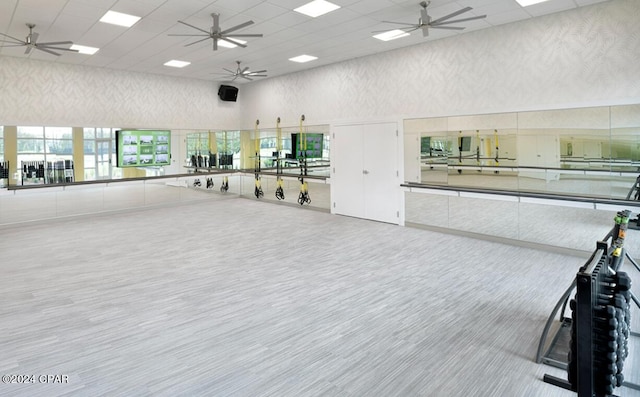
(265, 11)
(237, 5)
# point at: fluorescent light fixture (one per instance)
(227, 44)
(177, 64)
(120, 19)
(526, 3)
(317, 8)
(82, 49)
(391, 35)
(303, 58)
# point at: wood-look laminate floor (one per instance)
(235, 297)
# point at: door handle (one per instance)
(365, 172)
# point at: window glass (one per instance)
(89, 133)
(31, 132)
(32, 146)
(58, 133)
(103, 133)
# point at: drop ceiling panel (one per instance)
(237, 5)
(264, 11)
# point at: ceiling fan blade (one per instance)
(230, 71)
(453, 14)
(256, 72)
(197, 41)
(233, 42)
(458, 20)
(425, 31)
(244, 70)
(34, 37)
(190, 35)
(49, 51)
(248, 35)
(12, 38)
(237, 27)
(215, 44)
(400, 23)
(28, 49)
(256, 75)
(448, 27)
(40, 46)
(246, 77)
(56, 43)
(195, 27)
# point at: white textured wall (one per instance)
(48, 93)
(588, 56)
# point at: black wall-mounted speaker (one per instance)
(228, 93)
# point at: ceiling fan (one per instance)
(244, 73)
(31, 42)
(425, 22)
(216, 33)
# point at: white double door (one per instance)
(365, 180)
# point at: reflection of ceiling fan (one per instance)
(425, 22)
(31, 42)
(244, 73)
(216, 33)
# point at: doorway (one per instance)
(365, 178)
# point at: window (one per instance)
(228, 143)
(46, 148)
(100, 154)
(197, 143)
(30, 144)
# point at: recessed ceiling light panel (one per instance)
(526, 3)
(120, 19)
(391, 35)
(317, 8)
(177, 64)
(82, 49)
(303, 58)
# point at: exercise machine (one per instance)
(592, 344)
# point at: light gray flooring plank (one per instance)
(242, 298)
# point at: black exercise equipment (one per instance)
(303, 197)
(279, 181)
(257, 191)
(224, 187)
(592, 344)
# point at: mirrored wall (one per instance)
(277, 150)
(586, 152)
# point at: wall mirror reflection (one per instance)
(586, 152)
(288, 150)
